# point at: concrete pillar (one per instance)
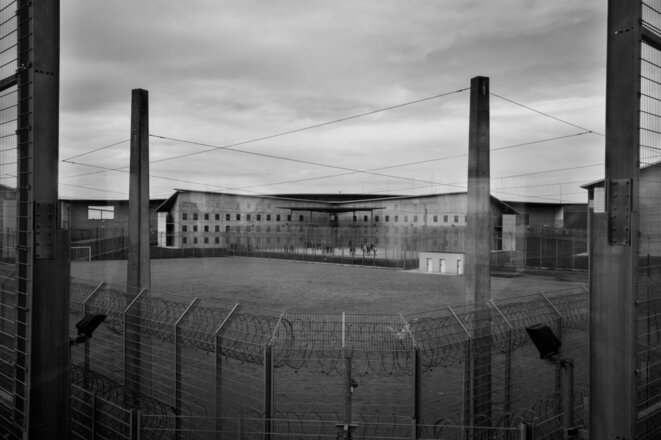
(138, 360)
(478, 247)
(139, 269)
(478, 219)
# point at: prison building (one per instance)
(435, 222)
(552, 215)
(88, 219)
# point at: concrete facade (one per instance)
(207, 219)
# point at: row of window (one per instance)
(258, 217)
(228, 217)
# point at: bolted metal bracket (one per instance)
(618, 205)
(44, 230)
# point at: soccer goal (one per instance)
(81, 253)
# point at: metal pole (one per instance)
(218, 378)
(42, 354)
(177, 369)
(268, 391)
(87, 347)
(567, 398)
(614, 241)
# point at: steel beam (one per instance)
(614, 258)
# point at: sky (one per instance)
(244, 74)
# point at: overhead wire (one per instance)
(95, 150)
(544, 114)
(349, 171)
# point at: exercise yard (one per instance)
(316, 287)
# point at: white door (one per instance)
(442, 265)
(430, 265)
(460, 267)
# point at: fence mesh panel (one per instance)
(648, 340)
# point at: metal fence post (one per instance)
(87, 346)
(177, 369)
(567, 366)
(218, 378)
(135, 428)
(268, 391)
(417, 392)
(131, 370)
(93, 429)
(507, 404)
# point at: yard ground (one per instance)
(316, 287)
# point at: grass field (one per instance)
(316, 287)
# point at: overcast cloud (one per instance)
(222, 72)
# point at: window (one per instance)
(206, 240)
(289, 217)
(387, 218)
(248, 217)
(238, 217)
(301, 218)
(184, 240)
(396, 218)
(364, 218)
(206, 216)
(277, 217)
(217, 216)
(227, 228)
(194, 228)
(415, 219)
(456, 219)
(268, 217)
(194, 216)
(376, 218)
(435, 219)
(184, 216)
(206, 228)
(354, 218)
(268, 229)
(217, 228)
(184, 228)
(445, 219)
(406, 219)
(259, 217)
(100, 212)
(217, 240)
(194, 240)
(227, 217)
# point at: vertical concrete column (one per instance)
(139, 269)
(138, 363)
(478, 248)
(614, 237)
(478, 224)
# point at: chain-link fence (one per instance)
(217, 367)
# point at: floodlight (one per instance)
(88, 324)
(86, 327)
(544, 339)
